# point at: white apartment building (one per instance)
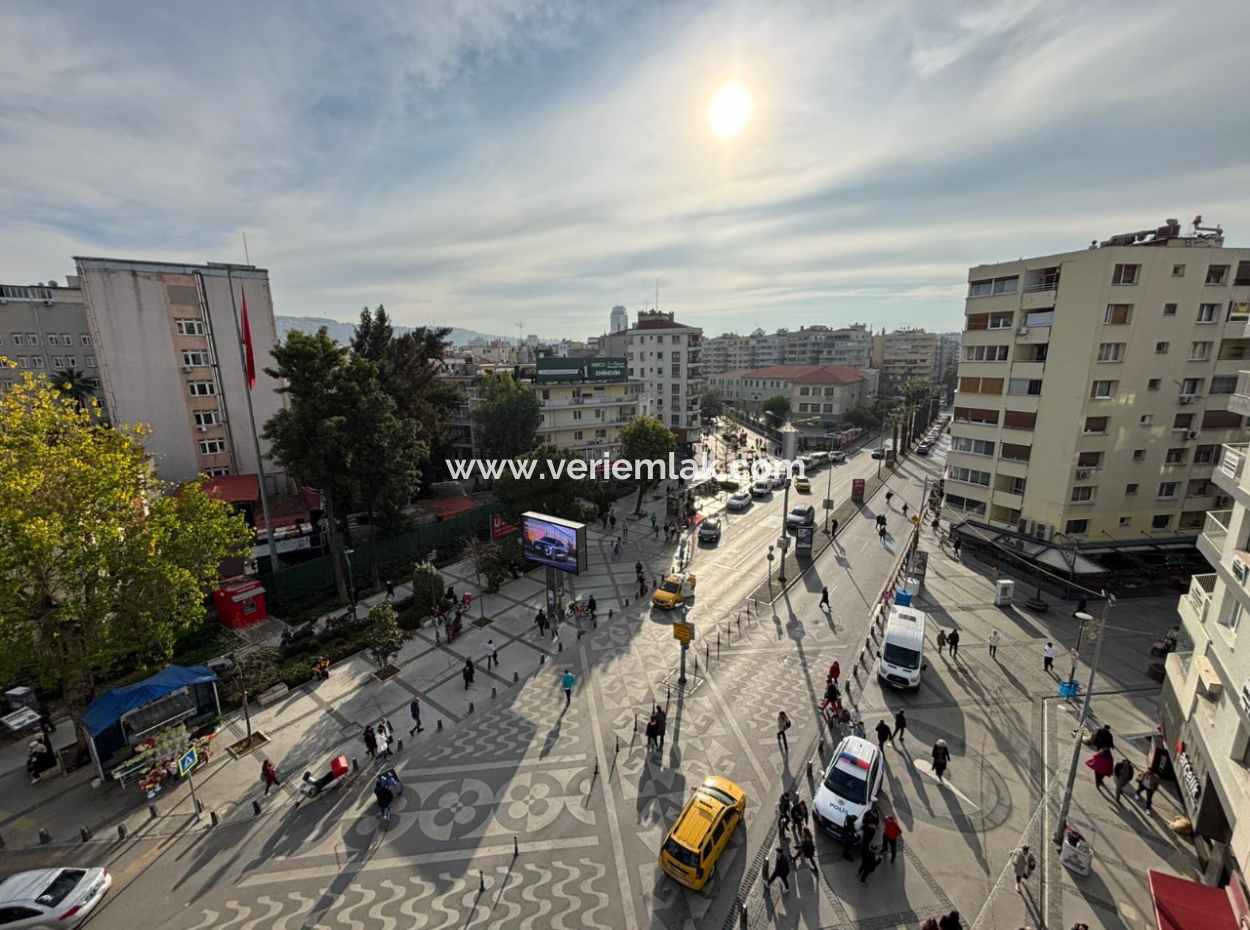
(1205, 705)
(810, 345)
(1094, 386)
(666, 356)
(818, 394)
(907, 355)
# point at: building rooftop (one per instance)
(801, 374)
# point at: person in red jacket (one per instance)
(890, 833)
(835, 670)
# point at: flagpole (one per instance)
(274, 565)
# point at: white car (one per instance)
(51, 897)
(762, 488)
(879, 452)
(837, 456)
(739, 500)
(803, 515)
(780, 480)
(850, 785)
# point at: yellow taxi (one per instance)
(803, 484)
(672, 591)
(702, 831)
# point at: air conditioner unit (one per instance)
(47, 301)
(187, 368)
(1223, 500)
(1192, 434)
(1022, 331)
(1044, 532)
(1082, 474)
(202, 429)
(1025, 527)
(1187, 398)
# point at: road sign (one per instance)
(783, 543)
(683, 632)
(188, 761)
(828, 503)
(1073, 655)
(857, 489)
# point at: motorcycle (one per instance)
(313, 787)
(290, 636)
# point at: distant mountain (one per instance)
(342, 332)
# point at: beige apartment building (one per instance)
(1094, 387)
(587, 416)
(907, 355)
(666, 356)
(818, 394)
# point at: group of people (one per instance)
(657, 725)
(793, 825)
(1121, 772)
(378, 740)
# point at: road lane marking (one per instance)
(926, 768)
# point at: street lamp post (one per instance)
(770, 567)
(351, 580)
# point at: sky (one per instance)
(495, 163)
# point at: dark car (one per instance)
(553, 548)
(709, 531)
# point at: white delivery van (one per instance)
(901, 657)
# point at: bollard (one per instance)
(44, 835)
(199, 806)
(596, 765)
(85, 832)
(718, 644)
(516, 676)
(256, 807)
(609, 613)
(560, 646)
(635, 721)
(542, 658)
(401, 746)
(696, 664)
(742, 917)
(121, 831)
(481, 881)
(820, 746)
(439, 728)
(152, 812)
(470, 707)
(516, 849)
(355, 764)
(809, 768)
(492, 694)
(618, 745)
(707, 654)
(214, 818)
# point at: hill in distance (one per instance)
(341, 332)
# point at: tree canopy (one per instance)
(99, 560)
(560, 497)
(507, 417)
(711, 405)
(643, 439)
(779, 406)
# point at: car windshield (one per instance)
(799, 512)
(713, 792)
(61, 886)
(901, 656)
(711, 525)
(671, 587)
(850, 786)
(681, 853)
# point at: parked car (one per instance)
(780, 480)
(837, 455)
(923, 448)
(59, 897)
(739, 500)
(803, 515)
(762, 488)
(709, 531)
(879, 452)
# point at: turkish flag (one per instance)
(247, 347)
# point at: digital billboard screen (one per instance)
(551, 541)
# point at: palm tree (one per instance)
(73, 383)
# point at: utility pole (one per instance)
(1108, 600)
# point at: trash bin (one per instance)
(1069, 689)
(1004, 590)
(912, 586)
(902, 598)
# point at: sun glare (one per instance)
(730, 110)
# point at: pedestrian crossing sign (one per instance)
(683, 632)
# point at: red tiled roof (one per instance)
(444, 507)
(801, 374)
(237, 489)
(284, 510)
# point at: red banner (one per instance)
(499, 527)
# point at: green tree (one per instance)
(99, 560)
(779, 406)
(506, 418)
(711, 406)
(384, 636)
(73, 383)
(559, 497)
(645, 438)
(863, 418)
(427, 584)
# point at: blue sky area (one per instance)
(488, 162)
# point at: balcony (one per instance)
(1239, 402)
(1196, 602)
(1214, 535)
(1032, 334)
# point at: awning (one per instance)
(1064, 562)
(108, 708)
(1181, 904)
(237, 489)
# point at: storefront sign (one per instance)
(499, 527)
(1188, 775)
(571, 370)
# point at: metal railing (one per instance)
(1201, 587)
(1233, 459)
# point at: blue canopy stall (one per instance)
(127, 725)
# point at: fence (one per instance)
(310, 582)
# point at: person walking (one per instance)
(414, 710)
(868, 862)
(385, 738)
(781, 870)
(784, 804)
(467, 672)
(371, 742)
(612, 522)
(783, 724)
(835, 670)
(661, 716)
(1149, 783)
(1123, 773)
(540, 619)
(992, 642)
(881, 531)
(850, 837)
(941, 758)
(883, 734)
(904, 508)
(653, 729)
(1023, 864)
(807, 848)
(385, 796)
(941, 641)
(269, 775)
(900, 725)
(833, 529)
(956, 545)
(1102, 765)
(642, 586)
(390, 590)
(798, 817)
(653, 522)
(889, 496)
(951, 922)
(824, 598)
(616, 551)
(567, 683)
(952, 640)
(492, 654)
(891, 832)
(830, 702)
(592, 606)
(1048, 658)
(1080, 607)
(603, 518)
(1102, 738)
(857, 723)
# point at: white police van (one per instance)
(901, 658)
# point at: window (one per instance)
(1082, 494)
(577, 434)
(1088, 459)
(1221, 419)
(1160, 521)
(1223, 384)
(195, 357)
(1077, 526)
(972, 446)
(991, 286)
(206, 418)
(970, 476)
(1167, 490)
(1031, 386)
(1118, 314)
(37, 360)
(71, 361)
(1174, 457)
(1191, 386)
(1217, 274)
(1243, 273)
(985, 353)
(212, 446)
(1125, 274)
(967, 504)
(1103, 389)
(1015, 452)
(1001, 320)
(94, 382)
(976, 415)
(1183, 421)
(216, 472)
(1040, 318)
(1161, 348)
(1126, 521)
(804, 392)
(32, 339)
(58, 362)
(1178, 271)
(1018, 419)
(1204, 455)
(1111, 352)
(1152, 384)
(1234, 616)
(1169, 309)
(202, 388)
(23, 361)
(1146, 419)
(981, 385)
(1238, 311)
(1130, 489)
(1096, 426)
(1208, 313)
(1199, 351)
(189, 327)
(85, 339)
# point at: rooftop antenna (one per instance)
(657, 294)
(246, 259)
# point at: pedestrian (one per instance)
(783, 810)
(468, 672)
(371, 742)
(661, 716)
(451, 593)
(798, 816)
(824, 598)
(953, 922)
(831, 697)
(941, 641)
(414, 710)
(850, 837)
(1123, 773)
(1102, 765)
(781, 870)
(890, 834)
(1102, 738)
(953, 641)
(1149, 783)
(612, 522)
(957, 545)
(603, 517)
(390, 590)
(904, 508)
(937, 527)
(992, 642)
(592, 606)
(1023, 864)
(807, 847)
(652, 731)
(540, 619)
(625, 530)
(492, 654)
(385, 738)
(642, 586)
(1080, 607)
(941, 757)
(1048, 658)
(385, 796)
(835, 670)
(868, 862)
(783, 724)
(857, 723)
(930, 924)
(881, 531)
(889, 496)
(833, 531)
(616, 550)
(567, 683)
(883, 734)
(269, 775)
(653, 520)
(655, 529)
(868, 829)
(900, 725)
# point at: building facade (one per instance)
(587, 416)
(818, 394)
(810, 345)
(618, 321)
(908, 355)
(667, 358)
(1094, 387)
(167, 340)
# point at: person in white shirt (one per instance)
(1048, 658)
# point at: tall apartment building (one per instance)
(666, 356)
(907, 355)
(43, 328)
(819, 394)
(167, 344)
(1094, 388)
(587, 413)
(1205, 705)
(618, 321)
(810, 345)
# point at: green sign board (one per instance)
(569, 370)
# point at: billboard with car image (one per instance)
(554, 542)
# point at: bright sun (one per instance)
(730, 110)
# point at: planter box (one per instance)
(269, 695)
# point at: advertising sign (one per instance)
(857, 489)
(499, 527)
(803, 537)
(683, 632)
(550, 541)
(571, 370)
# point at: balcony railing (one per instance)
(1233, 459)
(1201, 587)
(1215, 527)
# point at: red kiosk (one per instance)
(240, 604)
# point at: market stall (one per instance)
(140, 732)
